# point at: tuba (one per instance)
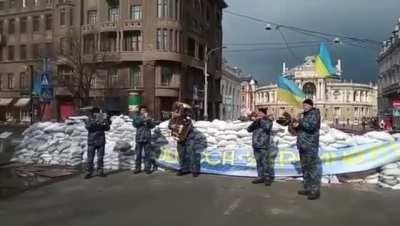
(181, 123)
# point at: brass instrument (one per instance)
(181, 123)
(287, 120)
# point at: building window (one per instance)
(11, 26)
(12, 4)
(166, 76)
(1, 5)
(10, 81)
(62, 46)
(92, 16)
(11, 52)
(160, 41)
(113, 78)
(135, 78)
(23, 82)
(62, 17)
(165, 39)
(171, 40)
(35, 51)
(136, 12)
(191, 47)
(163, 8)
(88, 44)
(201, 52)
(49, 49)
(71, 16)
(22, 50)
(49, 22)
(113, 14)
(36, 23)
(133, 41)
(22, 25)
(1, 27)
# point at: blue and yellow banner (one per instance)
(323, 63)
(289, 92)
(241, 162)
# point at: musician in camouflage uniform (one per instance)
(187, 156)
(96, 126)
(308, 144)
(143, 124)
(261, 129)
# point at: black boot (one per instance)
(258, 180)
(313, 195)
(182, 172)
(268, 182)
(88, 175)
(148, 171)
(101, 173)
(137, 171)
(303, 192)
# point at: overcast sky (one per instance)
(372, 19)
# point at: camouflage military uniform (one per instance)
(261, 130)
(308, 144)
(96, 142)
(143, 140)
(187, 155)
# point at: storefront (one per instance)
(5, 113)
(22, 110)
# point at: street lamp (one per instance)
(206, 79)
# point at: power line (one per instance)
(287, 45)
(271, 43)
(269, 48)
(305, 31)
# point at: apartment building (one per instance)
(153, 49)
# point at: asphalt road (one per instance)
(162, 199)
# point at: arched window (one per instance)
(309, 90)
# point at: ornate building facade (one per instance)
(340, 102)
(230, 91)
(389, 79)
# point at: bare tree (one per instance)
(81, 61)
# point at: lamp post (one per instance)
(31, 91)
(206, 79)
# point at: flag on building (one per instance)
(289, 92)
(323, 63)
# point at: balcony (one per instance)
(131, 25)
(87, 28)
(108, 26)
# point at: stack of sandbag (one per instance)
(389, 176)
(66, 143)
(53, 143)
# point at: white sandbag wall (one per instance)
(66, 143)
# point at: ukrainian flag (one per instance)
(289, 92)
(323, 63)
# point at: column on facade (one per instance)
(117, 44)
(98, 35)
(323, 90)
(121, 47)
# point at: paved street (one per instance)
(164, 199)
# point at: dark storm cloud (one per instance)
(370, 19)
